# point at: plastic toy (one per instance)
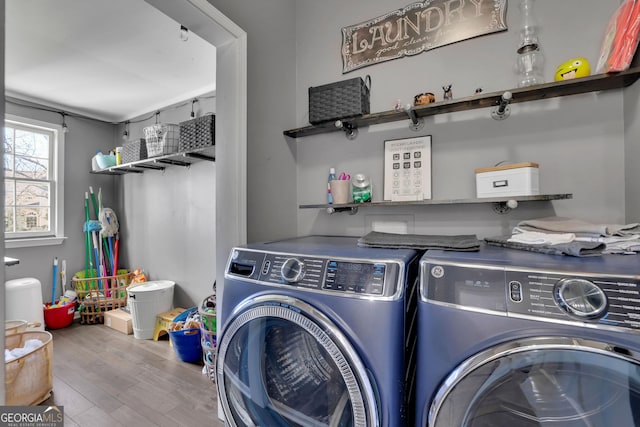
(424, 98)
(573, 69)
(448, 94)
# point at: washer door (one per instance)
(545, 381)
(283, 363)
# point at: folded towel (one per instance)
(616, 244)
(579, 249)
(377, 239)
(556, 224)
(538, 238)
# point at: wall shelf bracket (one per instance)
(417, 123)
(504, 207)
(350, 129)
(503, 110)
(352, 210)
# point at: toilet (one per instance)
(23, 301)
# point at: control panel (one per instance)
(612, 301)
(317, 273)
(606, 300)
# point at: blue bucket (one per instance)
(186, 343)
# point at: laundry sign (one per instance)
(419, 27)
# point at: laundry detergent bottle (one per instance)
(332, 177)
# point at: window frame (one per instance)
(56, 236)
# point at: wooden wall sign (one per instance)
(419, 27)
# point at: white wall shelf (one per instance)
(185, 158)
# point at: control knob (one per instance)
(580, 298)
(292, 270)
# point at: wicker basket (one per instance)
(162, 139)
(208, 334)
(29, 378)
(209, 344)
(99, 294)
(340, 100)
(134, 150)
(198, 133)
(12, 327)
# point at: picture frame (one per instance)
(407, 169)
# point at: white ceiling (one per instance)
(108, 59)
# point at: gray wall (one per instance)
(271, 164)
(632, 152)
(82, 141)
(167, 219)
(579, 141)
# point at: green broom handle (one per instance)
(88, 239)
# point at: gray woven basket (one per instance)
(134, 150)
(340, 100)
(198, 133)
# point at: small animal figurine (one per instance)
(424, 98)
(448, 94)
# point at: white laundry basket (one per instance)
(146, 301)
(23, 300)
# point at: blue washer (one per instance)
(515, 338)
(317, 331)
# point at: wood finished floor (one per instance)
(105, 378)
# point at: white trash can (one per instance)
(147, 300)
(23, 301)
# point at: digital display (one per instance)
(350, 274)
(355, 277)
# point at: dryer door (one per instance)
(545, 381)
(282, 363)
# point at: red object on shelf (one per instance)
(621, 38)
(60, 316)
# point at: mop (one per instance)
(87, 263)
(97, 209)
(109, 223)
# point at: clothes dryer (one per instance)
(316, 331)
(514, 338)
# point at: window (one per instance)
(33, 184)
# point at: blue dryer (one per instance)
(316, 331)
(515, 338)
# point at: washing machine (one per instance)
(516, 338)
(316, 331)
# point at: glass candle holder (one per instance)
(530, 59)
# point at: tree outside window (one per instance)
(30, 180)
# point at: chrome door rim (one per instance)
(521, 346)
(318, 325)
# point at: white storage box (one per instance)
(518, 179)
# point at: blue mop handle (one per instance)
(55, 280)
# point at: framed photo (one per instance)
(407, 169)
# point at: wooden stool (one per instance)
(162, 322)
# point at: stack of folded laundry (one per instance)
(378, 239)
(568, 236)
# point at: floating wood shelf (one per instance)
(484, 100)
(502, 202)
